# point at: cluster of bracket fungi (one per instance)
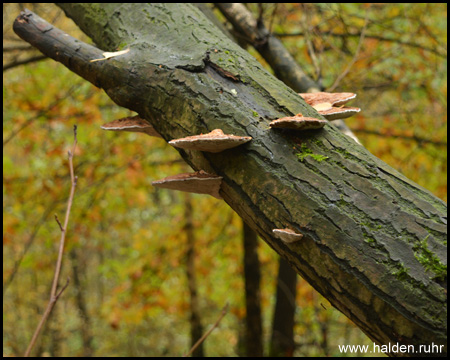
(329, 105)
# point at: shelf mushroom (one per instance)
(133, 124)
(336, 113)
(298, 122)
(199, 182)
(335, 99)
(330, 105)
(287, 236)
(214, 142)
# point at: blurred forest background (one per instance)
(126, 244)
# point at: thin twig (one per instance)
(309, 44)
(54, 296)
(222, 314)
(355, 57)
(371, 36)
(59, 223)
(29, 60)
(63, 288)
(66, 219)
(27, 245)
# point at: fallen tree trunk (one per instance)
(374, 242)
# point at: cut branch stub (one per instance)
(199, 182)
(215, 141)
(335, 99)
(326, 104)
(298, 122)
(133, 124)
(286, 235)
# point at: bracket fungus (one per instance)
(214, 142)
(133, 124)
(298, 122)
(199, 182)
(287, 236)
(335, 99)
(336, 113)
(329, 105)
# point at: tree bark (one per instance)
(195, 318)
(285, 67)
(81, 303)
(374, 242)
(282, 339)
(254, 346)
(270, 48)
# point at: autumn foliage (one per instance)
(125, 250)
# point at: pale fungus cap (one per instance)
(215, 141)
(335, 99)
(326, 104)
(322, 106)
(286, 235)
(133, 124)
(298, 122)
(198, 182)
(336, 113)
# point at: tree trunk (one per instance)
(195, 318)
(374, 242)
(254, 346)
(282, 339)
(270, 48)
(285, 67)
(81, 303)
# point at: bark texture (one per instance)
(254, 346)
(195, 318)
(270, 48)
(282, 338)
(374, 242)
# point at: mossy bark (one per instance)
(374, 242)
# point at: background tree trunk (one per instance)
(282, 339)
(195, 318)
(374, 242)
(253, 332)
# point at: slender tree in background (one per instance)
(252, 275)
(195, 319)
(282, 337)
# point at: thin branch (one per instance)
(19, 47)
(66, 220)
(222, 314)
(54, 296)
(27, 245)
(271, 49)
(47, 312)
(387, 134)
(310, 47)
(29, 60)
(59, 223)
(371, 36)
(63, 288)
(355, 57)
